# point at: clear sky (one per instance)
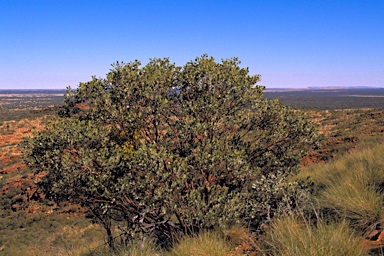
(48, 44)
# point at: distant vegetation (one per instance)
(330, 98)
(19, 104)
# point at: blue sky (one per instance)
(47, 44)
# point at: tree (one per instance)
(164, 150)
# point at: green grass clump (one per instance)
(132, 249)
(351, 187)
(205, 244)
(292, 235)
(355, 200)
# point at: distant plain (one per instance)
(329, 98)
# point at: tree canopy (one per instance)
(164, 150)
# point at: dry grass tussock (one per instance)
(352, 187)
(293, 235)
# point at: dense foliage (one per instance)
(165, 150)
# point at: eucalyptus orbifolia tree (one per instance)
(164, 150)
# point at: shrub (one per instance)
(165, 150)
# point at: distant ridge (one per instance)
(344, 87)
(320, 88)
